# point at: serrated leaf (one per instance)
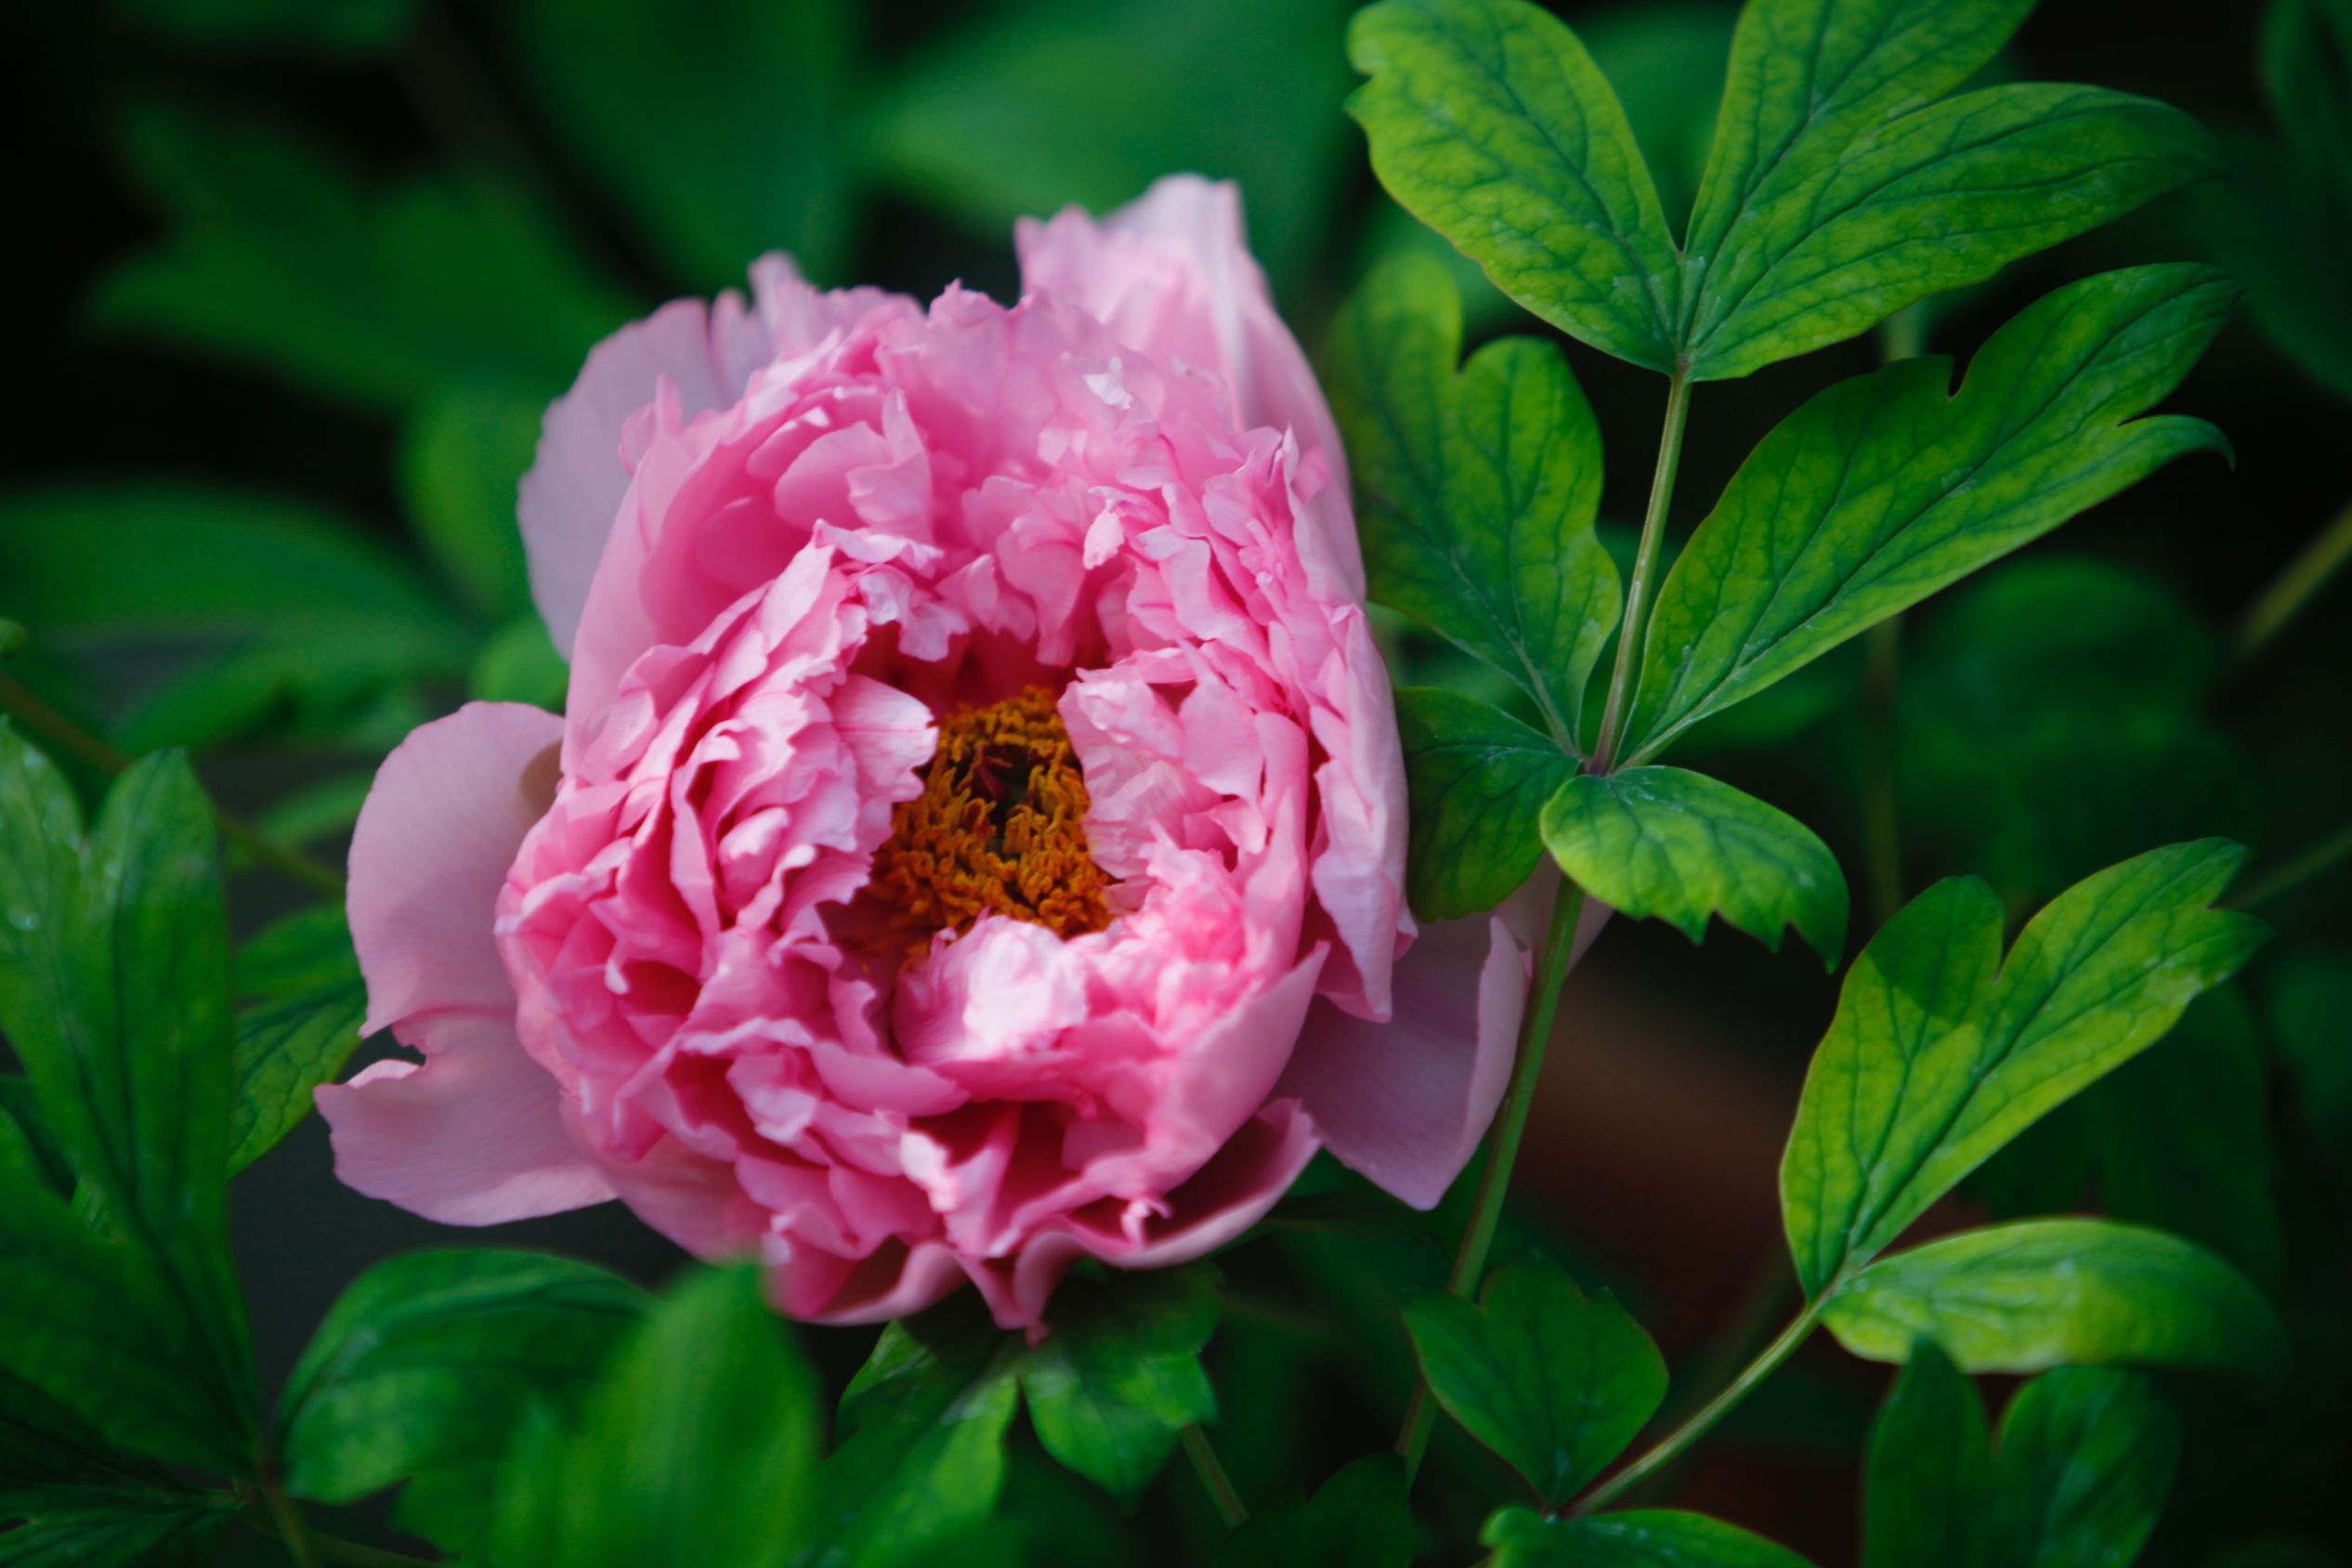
(1119, 1376)
(1643, 1538)
(1927, 1478)
(1553, 1382)
(1884, 489)
(1489, 121)
(1843, 184)
(2087, 1455)
(2044, 1293)
(285, 1048)
(118, 1004)
(1358, 1519)
(920, 1453)
(427, 1360)
(101, 1528)
(709, 1395)
(1941, 1052)
(1476, 488)
(1478, 780)
(1680, 846)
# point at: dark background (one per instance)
(1652, 1161)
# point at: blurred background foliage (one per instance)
(295, 278)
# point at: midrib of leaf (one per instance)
(1818, 222)
(2002, 1050)
(1879, 559)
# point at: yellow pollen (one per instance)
(1000, 825)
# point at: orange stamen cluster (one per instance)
(1000, 825)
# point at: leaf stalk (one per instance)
(1644, 588)
(1213, 1478)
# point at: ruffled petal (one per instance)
(473, 1136)
(450, 808)
(1405, 1103)
(1172, 275)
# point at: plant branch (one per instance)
(1502, 1147)
(1670, 1447)
(75, 741)
(1642, 588)
(1213, 1478)
(2296, 586)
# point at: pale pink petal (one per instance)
(475, 1136)
(1405, 1103)
(449, 810)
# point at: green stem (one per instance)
(287, 1517)
(2295, 587)
(2325, 855)
(1502, 1147)
(75, 741)
(1213, 1477)
(1645, 568)
(1670, 1447)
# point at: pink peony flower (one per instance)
(975, 841)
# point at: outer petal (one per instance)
(1405, 1103)
(1172, 275)
(574, 491)
(475, 1135)
(429, 855)
(472, 1137)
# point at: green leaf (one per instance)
(709, 1395)
(27, 1147)
(1476, 488)
(303, 951)
(1843, 184)
(1928, 1475)
(278, 259)
(427, 1359)
(462, 454)
(519, 664)
(2043, 1293)
(98, 1328)
(120, 1012)
(285, 1048)
(722, 132)
(1478, 780)
(1553, 1382)
(1119, 1377)
(1884, 489)
(1490, 123)
(1940, 1053)
(2087, 1455)
(311, 813)
(101, 1528)
(43, 1442)
(1680, 846)
(1032, 107)
(921, 1454)
(1644, 1538)
(1358, 1519)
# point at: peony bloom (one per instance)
(976, 839)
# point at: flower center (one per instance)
(1000, 825)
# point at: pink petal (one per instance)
(472, 1137)
(449, 810)
(1171, 274)
(1405, 1103)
